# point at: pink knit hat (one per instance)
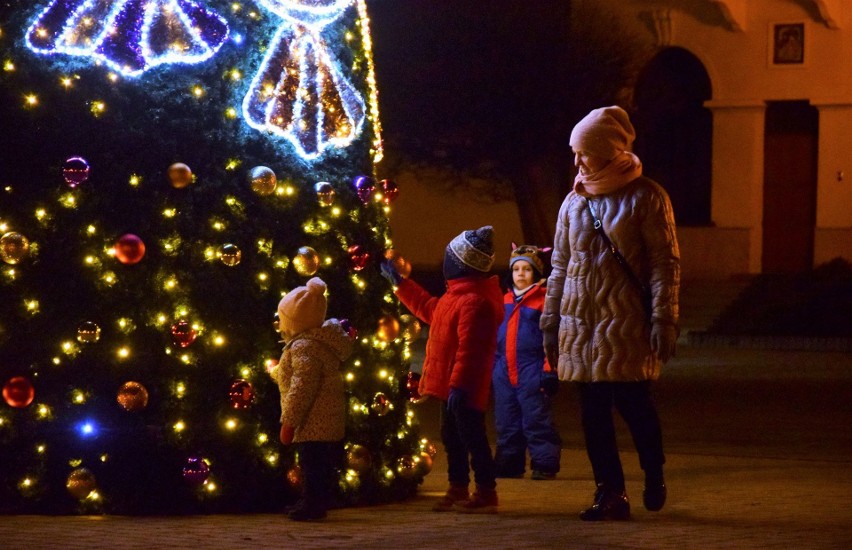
(302, 308)
(604, 132)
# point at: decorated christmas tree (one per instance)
(170, 169)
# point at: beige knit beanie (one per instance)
(604, 132)
(303, 308)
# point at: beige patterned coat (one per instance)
(604, 333)
(311, 384)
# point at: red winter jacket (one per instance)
(462, 336)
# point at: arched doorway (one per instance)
(674, 131)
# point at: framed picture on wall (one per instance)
(787, 44)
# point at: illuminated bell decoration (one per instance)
(381, 404)
(263, 180)
(80, 483)
(241, 394)
(389, 191)
(183, 334)
(88, 333)
(388, 328)
(412, 384)
(425, 463)
(180, 175)
(75, 171)
(306, 261)
(295, 477)
(401, 264)
(132, 396)
(346, 325)
(230, 254)
(410, 327)
(359, 458)
(365, 187)
(196, 470)
(406, 467)
(129, 249)
(18, 392)
(14, 247)
(358, 256)
(325, 193)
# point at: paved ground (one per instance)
(759, 456)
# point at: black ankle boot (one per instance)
(609, 505)
(654, 496)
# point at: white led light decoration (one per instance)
(129, 36)
(299, 92)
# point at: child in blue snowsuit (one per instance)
(522, 379)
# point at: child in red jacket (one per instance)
(523, 380)
(459, 358)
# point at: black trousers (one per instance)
(633, 402)
(318, 460)
(463, 435)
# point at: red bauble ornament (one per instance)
(132, 396)
(358, 256)
(412, 384)
(183, 334)
(241, 394)
(18, 392)
(129, 249)
(365, 186)
(196, 470)
(346, 325)
(389, 191)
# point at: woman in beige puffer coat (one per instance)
(597, 328)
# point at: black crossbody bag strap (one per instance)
(644, 291)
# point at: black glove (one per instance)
(390, 273)
(549, 383)
(456, 400)
(663, 340)
(551, 347)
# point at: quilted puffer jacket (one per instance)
(311, 384)
(604, 330)
(462, 339)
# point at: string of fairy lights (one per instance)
(123, 37)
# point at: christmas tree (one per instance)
(171, 168)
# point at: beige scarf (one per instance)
(621, 170)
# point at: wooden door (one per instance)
(789, 186)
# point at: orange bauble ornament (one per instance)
(401, 264)
(132, 396)
(18, 392)
(388, 328)
(180, 175)
(129, 249)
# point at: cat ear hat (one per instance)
(530, 254)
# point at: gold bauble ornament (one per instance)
(410, 327)
(388, 328)
(80, 483)
(306, 262)
(381, 404)
(230, 254)
(424, 463)
(263, 180)
(88, 332)
(359, 458)
(14, 247)
(180, 175)
(132, 396)
(325, 193)
(406, 467)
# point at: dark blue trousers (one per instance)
(466, 443)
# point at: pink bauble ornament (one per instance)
(365, 186)
(196, 470)
(129, 249)
(18, 392)
(75, 171)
